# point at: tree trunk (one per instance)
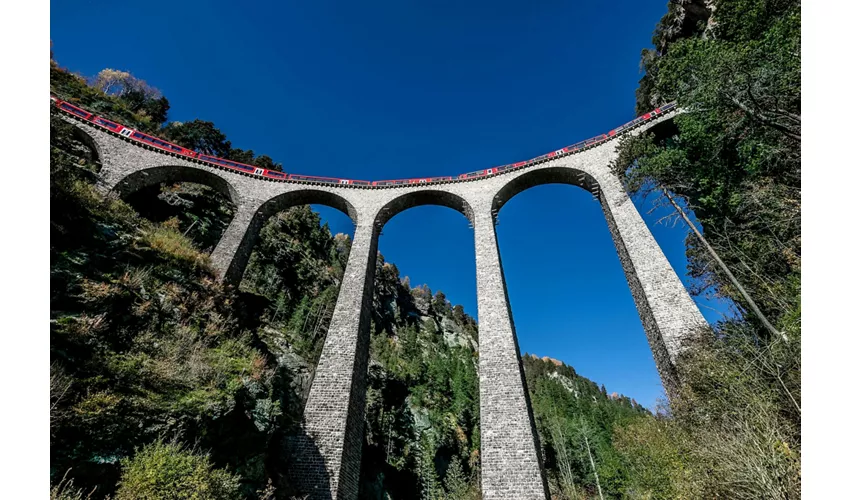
(747, 298)
(590, 455)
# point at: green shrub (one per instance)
(165, 471)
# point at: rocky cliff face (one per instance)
(684, 18)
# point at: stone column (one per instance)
(230, 257)
(510, 452)
(667, 311)
(326, 453)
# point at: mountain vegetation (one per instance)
(167, 384)
(733, 161)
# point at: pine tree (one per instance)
(456, 481)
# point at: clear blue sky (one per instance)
(388, 89)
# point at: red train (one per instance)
(175, 149)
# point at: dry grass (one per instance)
(175, 246)
(65, 490)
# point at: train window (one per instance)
(72, 109)
(101, 121)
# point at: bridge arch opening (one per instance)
(91, 153)
(202, 203)
(289, 267)
(423, 381)
(571, 303)
(171, 174)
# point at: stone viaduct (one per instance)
(328, 449)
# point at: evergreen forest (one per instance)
(165, 383)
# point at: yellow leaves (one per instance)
(117, 82)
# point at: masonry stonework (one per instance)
(510, 452)
(328, 447)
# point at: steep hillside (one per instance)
(576, 421)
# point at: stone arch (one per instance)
(147, 177)
(418, 198)
(233, 251)
(551, 175)
(83, 135)
(666, 310)
(90, 141)
(663, 127)
(307, 196)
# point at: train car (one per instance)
(618, 130)
(165, 145)
(273, 174)
(633, 123)
(652, 114)
(394, 182)
(594, 140)
(228, 164)
(108, 125)
(323, 180)
(476, 174)
(70, 108)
